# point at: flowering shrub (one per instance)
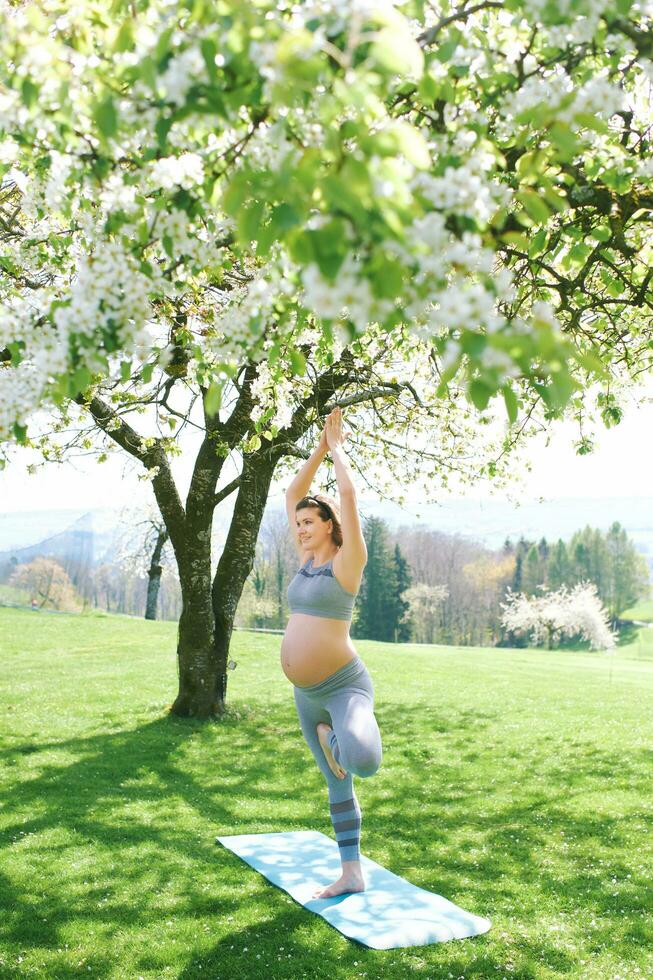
(549, 617)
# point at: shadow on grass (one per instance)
(483, 831)
(628, 633)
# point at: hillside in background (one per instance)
(92, 533)
(84, 536)
(492, 521)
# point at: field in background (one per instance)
(517, 783)
(643, 612)
(14, 597)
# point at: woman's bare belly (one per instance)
(314, 647)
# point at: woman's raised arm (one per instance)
(354, 549)
(336, 440)
(302, 482)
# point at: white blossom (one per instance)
(182, 72)
(550, 616)
(185, 171)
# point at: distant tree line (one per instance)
(425, 586)
(609, 560)
(137, 577)
(419, 585)
(68, 586)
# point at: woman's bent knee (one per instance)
(364, 763)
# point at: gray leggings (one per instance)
(345, 700)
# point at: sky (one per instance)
(620, 466)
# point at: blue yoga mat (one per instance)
(390, 912)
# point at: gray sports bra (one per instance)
(317, 592)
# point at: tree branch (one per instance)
(427, 37)
(226, 491)
(163, 483)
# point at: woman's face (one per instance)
(311, 529)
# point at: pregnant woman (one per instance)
(333, 690)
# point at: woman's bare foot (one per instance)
(323, 732)
(351, 880)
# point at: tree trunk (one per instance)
(209, 609)
(154, 575)
(237, 558)
(201, 688)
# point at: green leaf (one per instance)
(397, 51)
(114, 221)
(125, 370)
(29, 91)
(557, 201)
(534, 205)
(249, 221)
(448, 373)
(298, 362)
(125, 38)
(512, 405)
(564, 139)
(340, 194)
(252, 444)
(213, 398)
(601, 233)
(20, 432)
(560, 388)
(162, 127)
(106, 117)
(591, 362)
(15, 348)
(146, 372)
(284, 216)
(579, 252)
(617, 179)
(300, 247)
(480, 392)
(517, 238)
(616, 288)
(446, 49)
(538, 243)
(147, 71)
(356, 175)
(235, 194)
(473, 343)
(209, 50)
(387, 278)
(329, 246)
(36, 18)
(163, 46)
(531, 163)
(429, 89)
(592, 122)
(412, 144)
(80, 380)
(265, 238)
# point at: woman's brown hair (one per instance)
(328, 510)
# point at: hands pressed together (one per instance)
(332, 434)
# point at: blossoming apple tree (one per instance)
(551, 616)
(226, 217)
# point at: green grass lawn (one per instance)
(13, 596)
(517, 783)
(643, 611)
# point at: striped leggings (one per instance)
(345, 700)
